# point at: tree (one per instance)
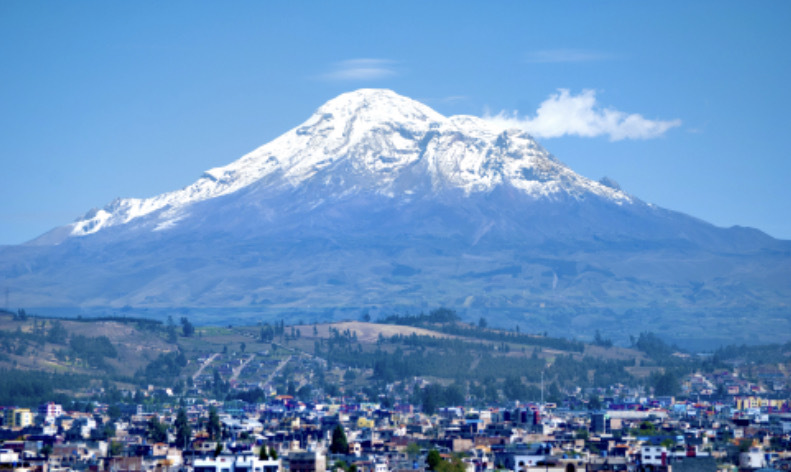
(433, 459)
(339, 444)
(114, 412)
(157, 432)
(183, 429)
(262, 455)
(482, 323)
(665, 384)
(594, 403)
(171, 331)
(218, 449)
(116, 448)
(213, 424)
(46, 450)
(412, 449)
(600, 341)
(186, 327)
(745, 444)
(57, 333)
(272, 453)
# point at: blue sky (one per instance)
(685, 104)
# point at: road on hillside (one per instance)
(277, 369)
(238, 370)
(204, 365)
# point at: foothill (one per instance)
(346, 397)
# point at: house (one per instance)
(236, 463)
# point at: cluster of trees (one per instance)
(94, 351)
(18, 342)
(31, 388)
(752, 354)
(665, 383)
(146, 324)
(448, 321)
(514, 337)
(426, 341)
(265, 454)
(435, 396)
(652, 346)
(219, 387)
(436, 316)
(254, 395)
(459, 360)
(438, 464)
(163, 369)
(187, 329)
(269, 332)
(20, 315)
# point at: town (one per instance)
(271, 398)
(632, 431)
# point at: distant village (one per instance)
(724, 424)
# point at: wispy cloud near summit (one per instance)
(579, 115)
(361, 69)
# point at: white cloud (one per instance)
(579, 115)
(361, 69)
(566, 55)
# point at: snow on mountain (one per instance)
(378, 136)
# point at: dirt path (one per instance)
(239, 369)
(277, 369)
(204, 365)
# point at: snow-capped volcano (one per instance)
(377, 204)
(374, 140)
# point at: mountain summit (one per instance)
(379, 204)
(378, 141)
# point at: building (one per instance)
(237, 463)
(653, 455)
(313, 461)
(17, 418)
(600, 423)
(49, 411)
(752, 459)
(521, 457)
(8, 456)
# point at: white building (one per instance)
(653, 455)
(754, 459)
(237, 463)
(49, 411)
(8, 456)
